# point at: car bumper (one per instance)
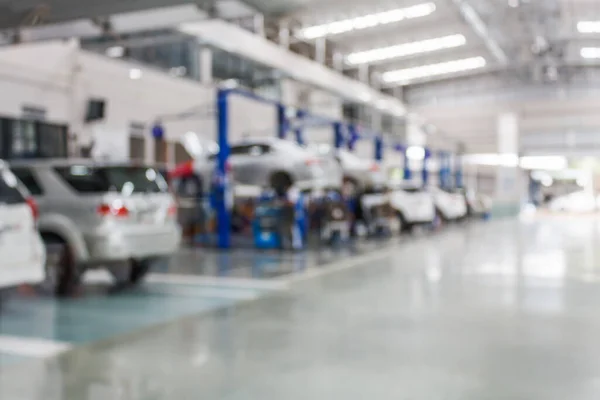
(123, 245)
(33, 272)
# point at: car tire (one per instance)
(403, 226)
(281, 182)
(62, 277)
(139, 270)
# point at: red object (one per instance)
(374, 167)
(106, 210)
(172, 210)
(34, 208)
(312, 161)
(182, 170)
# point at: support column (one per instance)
(507, 196)
(320, 50)
(205, 64)
(284, 35)
(220, 181)
(284, 123)
(338, 61)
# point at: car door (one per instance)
(18, 233)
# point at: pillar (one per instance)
(205, 65)
(321, 50)
(507, 190)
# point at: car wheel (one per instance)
(139, 270)
(402, 225)
(61, 274)
(281, 182)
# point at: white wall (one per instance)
(36, 75)
(61, 78)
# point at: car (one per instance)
(92, 215)
(575, 202)
(478, 204)
(21, 248)
(267, 162)
(362, 174)
(449, 205)
(413, 205)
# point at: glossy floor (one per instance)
(500, 311)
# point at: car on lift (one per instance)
(21, 248)
(413, 204)
(265, 162)
(92, 215)
(362, 174)
(449, 205)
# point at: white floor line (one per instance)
(102, 276)
(208, 292)
(337, 266)
(31, 347)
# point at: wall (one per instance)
(60, 77)
(36, 75)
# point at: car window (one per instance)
(26, 177)
(249, 149)
(9, 192)
(124, 179)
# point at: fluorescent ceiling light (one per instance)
(367, 21)
(409, 74)
(554, 163)
(415, 153)
(590, 52)
(406, 49)
(588, 26)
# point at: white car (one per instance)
(449, 205)
(363, 174)
(413, 205)
(21, 248)
(267, 162)
(576, 202)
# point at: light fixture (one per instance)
(115, 51)
(135, 73)
(547, 163)
(588, 26)
(367, 21)
(406, 49)
(590, 52)
(415, 153)
(424, 71)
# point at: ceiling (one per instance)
(534, 38)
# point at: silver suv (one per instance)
(117, 216)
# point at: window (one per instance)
(250, 149)
(26, 177)
(24, 143)
(9, 192)
(53, 141)
(124, 179)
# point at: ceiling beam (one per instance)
(479, 27)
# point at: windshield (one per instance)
(124, 179)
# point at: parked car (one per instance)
(92, 215)
(478, 204)
(414, 205)
(361, 173)
(575, 202)
(21, 249)
(449, 205)
(267, 162)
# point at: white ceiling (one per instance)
(516, 30)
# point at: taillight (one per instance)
(117, 210)
(311, 161)
(172, 210)
(34, 208)
(374, 167)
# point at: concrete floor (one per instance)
(499, 311)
